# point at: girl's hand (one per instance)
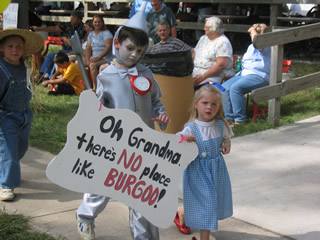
(162, 118)
(225, 148)
(189, 138)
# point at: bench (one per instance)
(257, 111)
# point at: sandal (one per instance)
(181, 227)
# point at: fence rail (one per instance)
(277, 88)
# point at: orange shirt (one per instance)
(73, 76)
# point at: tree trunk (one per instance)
(23, 13)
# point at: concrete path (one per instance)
(275, 180)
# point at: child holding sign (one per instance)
(125, 84)
(15, 109)
(206, 183)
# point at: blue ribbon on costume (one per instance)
(217, 85)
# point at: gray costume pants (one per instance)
(92, 205)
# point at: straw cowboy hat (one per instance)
(33, 41)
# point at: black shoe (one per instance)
(53, 93)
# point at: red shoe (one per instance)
(181, 227)
(194, 238)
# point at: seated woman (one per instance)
(255, 73)
(98, 49)
(213, 54)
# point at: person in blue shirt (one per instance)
(255, 73)
(136, 6)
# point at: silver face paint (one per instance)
(130, 53)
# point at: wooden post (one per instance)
(275, 77)
(274, 13)
(85, 15)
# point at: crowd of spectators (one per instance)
(212, 54)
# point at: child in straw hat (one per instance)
(15, 110)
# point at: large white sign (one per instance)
(111, 152)
(10, 16)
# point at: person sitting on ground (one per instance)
(255, 73)
(159, 14)
(213, 54)
(71, 80)
(67, 29)
(168, 43)
(98, 49)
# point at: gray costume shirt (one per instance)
(114, 91)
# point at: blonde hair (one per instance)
(259, 28)
(201, 92)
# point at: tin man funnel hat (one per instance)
(138, 21)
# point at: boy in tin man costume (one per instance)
(141, 95)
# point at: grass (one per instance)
(52, 113)
(16, 227)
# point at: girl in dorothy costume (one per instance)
(206, 184)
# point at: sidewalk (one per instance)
(275, 181)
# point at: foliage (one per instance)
(16, 227)
(50, 119)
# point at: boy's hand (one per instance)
(162, 118)
(45, 83)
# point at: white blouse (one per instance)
(208, 130)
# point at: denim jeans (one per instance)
(234, 103)
(14, 135)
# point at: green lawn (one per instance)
(52, 113)
(16, 227)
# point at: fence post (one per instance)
(275, 77)
(274, 13)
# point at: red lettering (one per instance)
(148, 191)
(122, 177)
(135, 165)
(154, 197)
(110, 178)
(130, 181)
(138, 160)
(134, 195)
(123, 154)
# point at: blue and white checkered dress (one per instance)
(206, 184)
